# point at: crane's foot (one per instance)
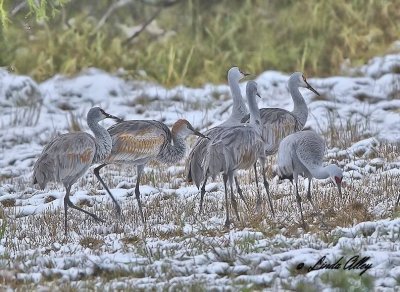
(305, 226)
(227, 224)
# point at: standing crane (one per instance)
(139, 141)
(302, 153)
(235, 148)
(277, 123)
(67, 157)
(194, 169)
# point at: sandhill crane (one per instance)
(235, 148)
(194, 169)
(67, 157)
(301, 153)
(277, 123)
(139, 141)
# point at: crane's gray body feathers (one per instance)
(227, 152)
(278, 123)
(65, 159)
(300, 153)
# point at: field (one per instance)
(178, 248)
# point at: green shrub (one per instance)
(200, 39)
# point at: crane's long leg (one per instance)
(202, 193)
(266, 185)
(233, 199)
(227, 221)
(298, 199)
(137, 192)
(67, 202)
(258, 188)
(240, 192)
(309, 194)
(321, 217)
(398, 200)
(97, 174)
(66, 198)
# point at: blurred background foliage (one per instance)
(192, 42)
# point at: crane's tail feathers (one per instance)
(195, 167)
(284, 173)
(215, 160)
(43, 171)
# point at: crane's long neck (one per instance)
(175, 151)
(300, 109)
(103, 141)
(319, 172)
(239, 109)
(254, 111)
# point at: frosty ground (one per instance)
(178, 248)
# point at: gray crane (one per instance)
(235, 148)
(302, 153)
(139, 141)
(67, 157)
(194, 169)
(277, 123)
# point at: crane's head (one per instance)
(184, 128)
(251, 89)
(336, 176)
(97, 114)
(299, 79)
(235, 74)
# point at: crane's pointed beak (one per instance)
(258, 95)
(114, 118)
(197, 133)
(309, 87)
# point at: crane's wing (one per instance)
(286, 152)
(137, 140)
(194, 164)
(311, 149)
(277, 124)
(234, 148)
(214, 160)
(64, 158)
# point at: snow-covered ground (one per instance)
(178, 248)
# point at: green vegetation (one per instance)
(348, 281)
(194, 41)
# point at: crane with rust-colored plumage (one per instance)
(67, 157)
(138, 142)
